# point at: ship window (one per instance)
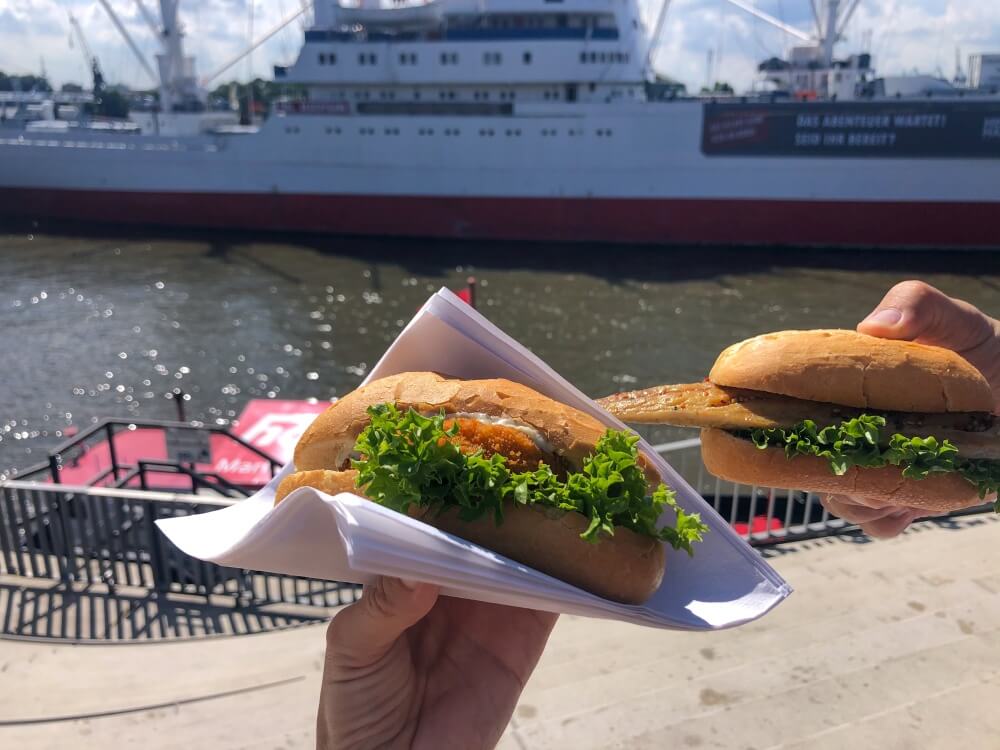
(449, 58)
(527, 58)
(322, 58)
(492, 58)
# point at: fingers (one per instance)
(851, 510)
(880, 523)
(891, 525)
(363, 632)
(916, 311)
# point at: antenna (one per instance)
(250, 69)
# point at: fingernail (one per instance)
(408, 584)
(887, 317)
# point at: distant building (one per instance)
(984, 71)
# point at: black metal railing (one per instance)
(88, 536)
(106, 430)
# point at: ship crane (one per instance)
(90, 60)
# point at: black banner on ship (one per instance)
(881, 129)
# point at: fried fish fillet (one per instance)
(705, 404)
(521, 452)
(708, 405)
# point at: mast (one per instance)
(830, 31)
(171, 60)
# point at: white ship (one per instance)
(534, 120)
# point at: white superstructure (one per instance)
(531, 119)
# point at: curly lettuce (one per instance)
(408, 459)
(860, 442)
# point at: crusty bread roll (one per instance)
(329, 440)
(739, 460)
(627, 567)
(852, 369)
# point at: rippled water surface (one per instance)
(95, 323)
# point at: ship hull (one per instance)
(650, 173)
(912, 224)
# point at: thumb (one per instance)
(916, 311)
(363, 632)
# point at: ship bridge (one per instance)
(457, 50)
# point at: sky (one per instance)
(903, 36)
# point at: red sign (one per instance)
(274, 427)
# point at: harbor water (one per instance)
(97, 323)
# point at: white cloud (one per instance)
(906, 35)
(33, 31)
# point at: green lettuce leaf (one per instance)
(859, 442)
(407, 459)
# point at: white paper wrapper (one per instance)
(347, 538)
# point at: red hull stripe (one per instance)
(682, 221)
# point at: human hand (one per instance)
(916, 311)
(408, 668)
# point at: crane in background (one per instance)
(106, 102)
(90, 60)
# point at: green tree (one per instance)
(720, 87)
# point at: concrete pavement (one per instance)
(884, 645)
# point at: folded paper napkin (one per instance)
(347, 538)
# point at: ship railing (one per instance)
(120, 472)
